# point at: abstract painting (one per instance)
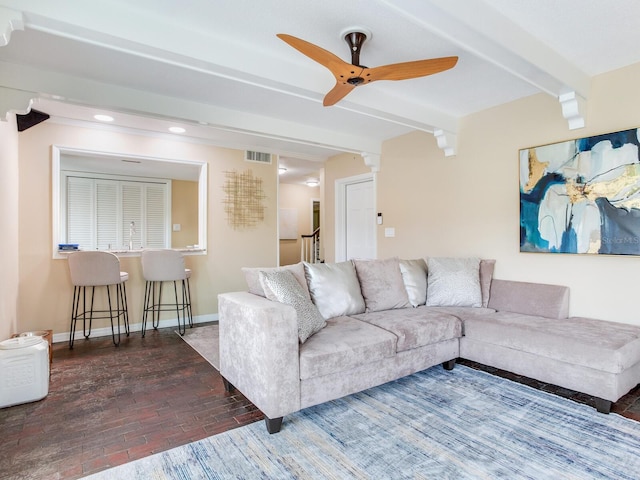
(582, 196)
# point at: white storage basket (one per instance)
(24, 370)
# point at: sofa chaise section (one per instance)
(531, 335)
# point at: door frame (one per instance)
(341, 213)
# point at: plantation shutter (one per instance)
(132, 215)
(106, 215)
(155, 214)
(80, 207)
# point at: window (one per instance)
(104, 212)
(184, 217)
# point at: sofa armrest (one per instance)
(259, 351)
(551, 301)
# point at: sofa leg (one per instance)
(273, 424)
(603, 406)
(449, 364)
(228, 387)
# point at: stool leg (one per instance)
(145, 306)
(84, 313)
(74, 315)
(122, 287)
(156, 311)
(188, 290)
(113, 333)
(181, 327)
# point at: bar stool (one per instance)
(159, 266)
(97, 269)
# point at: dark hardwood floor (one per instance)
(107, 406)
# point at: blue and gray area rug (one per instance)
(462, 424)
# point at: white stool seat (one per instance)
(97, 269)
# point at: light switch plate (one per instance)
(390, 232)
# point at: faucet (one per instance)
(132, 231)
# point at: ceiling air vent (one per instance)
(259, 157)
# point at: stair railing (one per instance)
(310, 248)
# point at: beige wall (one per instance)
(184, 196)
(45, 289)
(9, 243)
(297, 197)
(469, 204)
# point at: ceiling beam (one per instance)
(486, 33)
(26, 82)
(133, 34)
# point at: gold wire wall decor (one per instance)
(243, 199)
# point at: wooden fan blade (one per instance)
(320, 55)
(337, 93)
(406, 70)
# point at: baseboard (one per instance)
(134, 327)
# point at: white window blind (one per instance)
(80, 208)
(109, 213)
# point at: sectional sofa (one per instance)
(309, 333)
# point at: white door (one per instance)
(359, 220)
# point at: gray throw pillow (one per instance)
(414, 276)
(334, 288)
(381, 284)
(282, 286)
(453, 282)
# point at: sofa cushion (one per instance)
(345, 343)
(486, 276)
(601, 345)
(381, 284)
(415, 327)
(334, 288)
(414, 277)
(281, 286)
(453, 282)
(530, 298)
(252, 277)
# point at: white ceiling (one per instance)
(218, 69)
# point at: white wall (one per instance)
(9, 221)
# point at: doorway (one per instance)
(355, 218)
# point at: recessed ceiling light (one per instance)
(177, 130)
(281, 170)
(103, 118)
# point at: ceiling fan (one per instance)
(350, 75)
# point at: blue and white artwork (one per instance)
(582, 196)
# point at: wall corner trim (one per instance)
(573, 108)
(446, 142)
(10, 20)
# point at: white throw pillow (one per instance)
(282, 286)
(334, 288)
(414, 276)
(453, 282)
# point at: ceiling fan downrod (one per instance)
(355, 40)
